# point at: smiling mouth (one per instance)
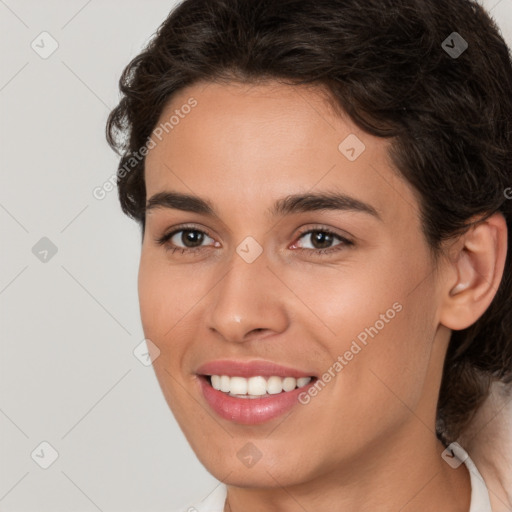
(257, 386)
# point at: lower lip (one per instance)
(250, 411)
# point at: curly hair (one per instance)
(387, 64)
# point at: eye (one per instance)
(185, 239)
(190, 238)
(321, 241)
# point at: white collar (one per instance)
(480, 501)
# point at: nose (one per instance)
(247, 303)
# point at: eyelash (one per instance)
(344, 242)
(163, 240)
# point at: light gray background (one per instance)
(68, 375)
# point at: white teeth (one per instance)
(303, 381)
(256, 386)
(274, 385)
(289, 383)
(216, 382)
(225, 383)
(238, 386)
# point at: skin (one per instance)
(367, 441)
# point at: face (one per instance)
(281, 249)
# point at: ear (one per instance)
(475, 268)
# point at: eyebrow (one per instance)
(296, 203)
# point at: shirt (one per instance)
(480, 502)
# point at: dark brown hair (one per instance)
(388, 65)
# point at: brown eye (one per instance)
(191, 237)
(320, 239)
(186, 239)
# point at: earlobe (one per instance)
(478, 265)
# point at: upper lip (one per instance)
(250, 369)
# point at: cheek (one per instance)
(166, 297)
(379, 321)
(389, 380)
(154, 293)
(166, 294)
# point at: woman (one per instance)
(325, 273)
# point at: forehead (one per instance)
(252, 143)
